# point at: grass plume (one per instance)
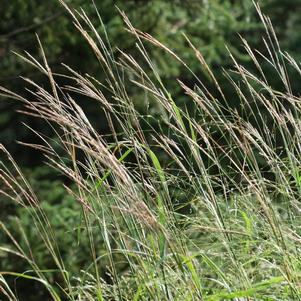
(239, 240)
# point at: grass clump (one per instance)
(168, 211)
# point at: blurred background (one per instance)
(210, 24)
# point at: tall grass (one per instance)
(181, 215)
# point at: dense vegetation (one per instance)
(160, 161)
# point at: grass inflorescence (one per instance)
(168, 211)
